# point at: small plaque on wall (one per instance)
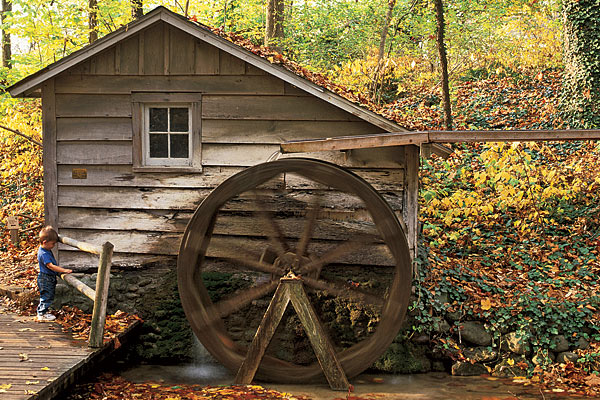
(79, 173)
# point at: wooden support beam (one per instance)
(292, 290)
(418, 138)
(88, 248)
(80, 286)
(512, 135)
(318, 337)
(263, 336)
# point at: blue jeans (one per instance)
(46, 286)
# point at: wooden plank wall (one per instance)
(246, 114)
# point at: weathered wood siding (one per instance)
(246, 113)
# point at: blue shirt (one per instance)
(44, 257)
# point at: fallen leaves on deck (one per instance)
(79, 323)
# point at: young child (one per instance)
(49, 269)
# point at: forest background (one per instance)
(511, 232)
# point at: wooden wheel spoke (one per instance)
(334, 254)
(308, 228)
(255, 265)
(343, 290)
(244, 297)
(276, 237)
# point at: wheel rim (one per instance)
(206, 322)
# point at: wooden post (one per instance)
(410, 210)
(12, 224)
(102, 282)
(291, 289)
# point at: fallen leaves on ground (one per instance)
(111, 387)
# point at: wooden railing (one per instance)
(98, 296)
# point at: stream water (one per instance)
(431, 386)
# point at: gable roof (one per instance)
(27, 86)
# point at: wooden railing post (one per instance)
(100, 302)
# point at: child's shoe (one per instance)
(46, 317)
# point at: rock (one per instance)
(543, 357)
(480, 354)
(559, 344)
(249, 335)
(474, 332)
(454, 316)
(566, 356)
(133, 288)
(438, 366)
(582, 344)
(420, 339)
(404, 358)
(440, 325)
(144, 282)
(442, 298)
(504, 369)
(460, 368)
(518, 343)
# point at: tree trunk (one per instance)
(6, 48)
(274, 26)
(439, 12)
(378, 76)
(137, 9)
(580, 94)
(93, 20)
(384, 29)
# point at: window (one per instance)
(166, 132)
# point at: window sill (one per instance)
(168, 168)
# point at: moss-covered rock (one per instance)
(404, 358)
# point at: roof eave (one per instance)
(29, 85)
(282, 73)
(26, 86)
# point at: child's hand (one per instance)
(68, 271)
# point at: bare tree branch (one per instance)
(22, 134)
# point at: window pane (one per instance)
(179, 146)
(158, 119)
(179, 120)
(159, 146)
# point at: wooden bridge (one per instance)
(39, 360)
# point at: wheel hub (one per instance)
(290, 262)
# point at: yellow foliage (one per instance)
(21, 162)
(409, 73)
(509, 179)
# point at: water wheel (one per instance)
(282, 245)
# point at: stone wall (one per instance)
(150, 293)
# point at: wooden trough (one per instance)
(421, 138)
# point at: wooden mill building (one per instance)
(141, 125)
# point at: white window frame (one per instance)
(142, 102)
(154, 161)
